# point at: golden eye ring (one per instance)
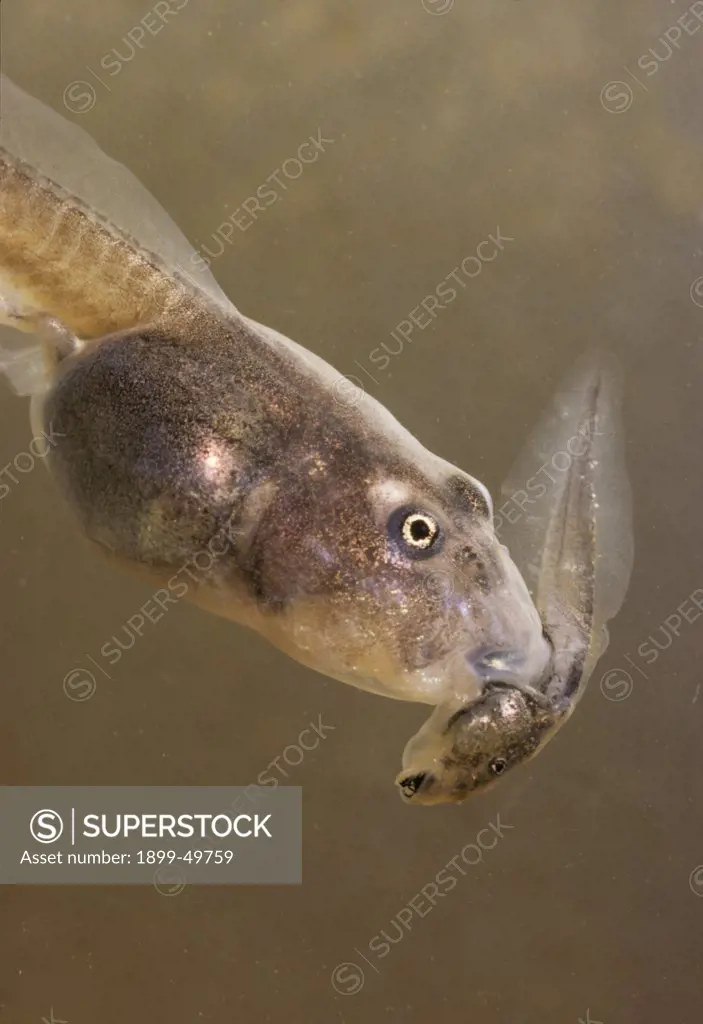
(419, 530)
(416, 532)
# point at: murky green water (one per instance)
(575, 132)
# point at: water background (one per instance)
(448, 122)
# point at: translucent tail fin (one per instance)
(23, 362)
(572, 470)
(29, 360)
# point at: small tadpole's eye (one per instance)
(498, 765)
(418, 532)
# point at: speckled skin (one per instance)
(174, 440)
(204, 418)
(238, 470)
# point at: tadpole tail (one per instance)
(574, 546)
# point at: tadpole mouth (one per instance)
(410, 783)
(497, 663)
(426, 789)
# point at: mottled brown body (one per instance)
(173, 439)
(191, 436)
(202, 418)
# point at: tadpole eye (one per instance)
(417, 532)
(498, 765)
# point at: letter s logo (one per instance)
(46, 826)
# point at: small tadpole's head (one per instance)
(460, 750)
